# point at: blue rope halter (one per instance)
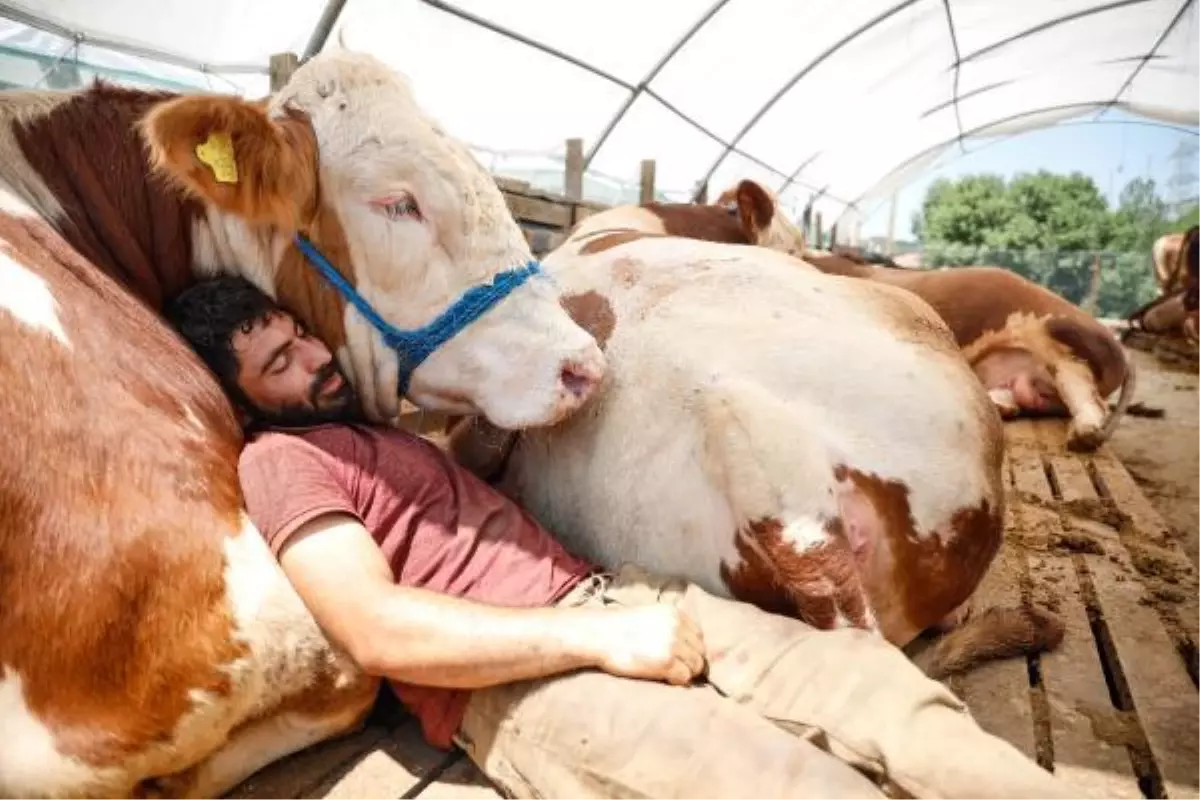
(413, 347)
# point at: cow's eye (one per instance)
(397, 207)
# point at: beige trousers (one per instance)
(783, 711)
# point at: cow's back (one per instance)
(117, 490)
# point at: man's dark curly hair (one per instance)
(207, 315)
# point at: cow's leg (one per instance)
(262, 741)
(955, 618)
(1077, 387)
(796, 555)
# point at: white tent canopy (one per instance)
(831, 103)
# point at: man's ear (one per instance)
(228, 152)
(755, 208)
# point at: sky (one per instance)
(1112, 154)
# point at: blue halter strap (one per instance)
(413, 347)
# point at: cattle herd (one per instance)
(697, 391)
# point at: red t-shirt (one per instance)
(439, 526)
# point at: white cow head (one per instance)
(344, 156)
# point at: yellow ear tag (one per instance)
(217, 152)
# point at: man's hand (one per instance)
(653, 642)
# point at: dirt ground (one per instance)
(1163, 454)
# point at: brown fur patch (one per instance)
(592, 312)
(753, 580)
(837, 265)
(930, 576)
(755, 209)
(615, 239)
(708, 223)
(305, 292)
(115, 502)
(120, 218)
(276, 159)
(814, 586)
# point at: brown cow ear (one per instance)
(755, 209)
(228, 152)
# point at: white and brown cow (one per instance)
(812, 444)
(1174, 312)
(1034, 351)
(149, 644)
(1168, 258)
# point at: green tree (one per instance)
(1050, 228)
(1140, 218)
(965, 211)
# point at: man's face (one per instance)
(289, 376)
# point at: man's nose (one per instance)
(315, 356)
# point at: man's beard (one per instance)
(341, 406)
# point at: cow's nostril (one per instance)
(577, 381)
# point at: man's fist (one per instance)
(653, 642)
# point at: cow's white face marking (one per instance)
(28, 298)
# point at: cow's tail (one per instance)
(991, 635)
(1128, 386)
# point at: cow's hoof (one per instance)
(1003, 400)
(1084, 440)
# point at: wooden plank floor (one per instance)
(1113, 709)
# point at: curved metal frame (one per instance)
(329, 17)
(978, 129)
(957, 71)
(644, 84)
(830, 51)
(333, 10)
(1147, 58)
(80, 36)
(1080, 123)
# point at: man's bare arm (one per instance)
(427, 638)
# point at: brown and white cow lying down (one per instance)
(814, 445)
(149, 644)
(1177, 270)
(1034, 351)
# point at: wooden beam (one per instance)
(647, 195)
(282, 67)
(573, 172)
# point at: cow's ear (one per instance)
(755, 208)
(230, 153)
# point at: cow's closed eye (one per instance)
(399, 206)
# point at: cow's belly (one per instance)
(616, 486)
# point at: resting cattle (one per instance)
(1174, 311)
(149, 644)
(813, 445)
(1034, 351)
(1169, 259)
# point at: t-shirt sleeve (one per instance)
(287, 482)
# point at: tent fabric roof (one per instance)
(828, 102)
